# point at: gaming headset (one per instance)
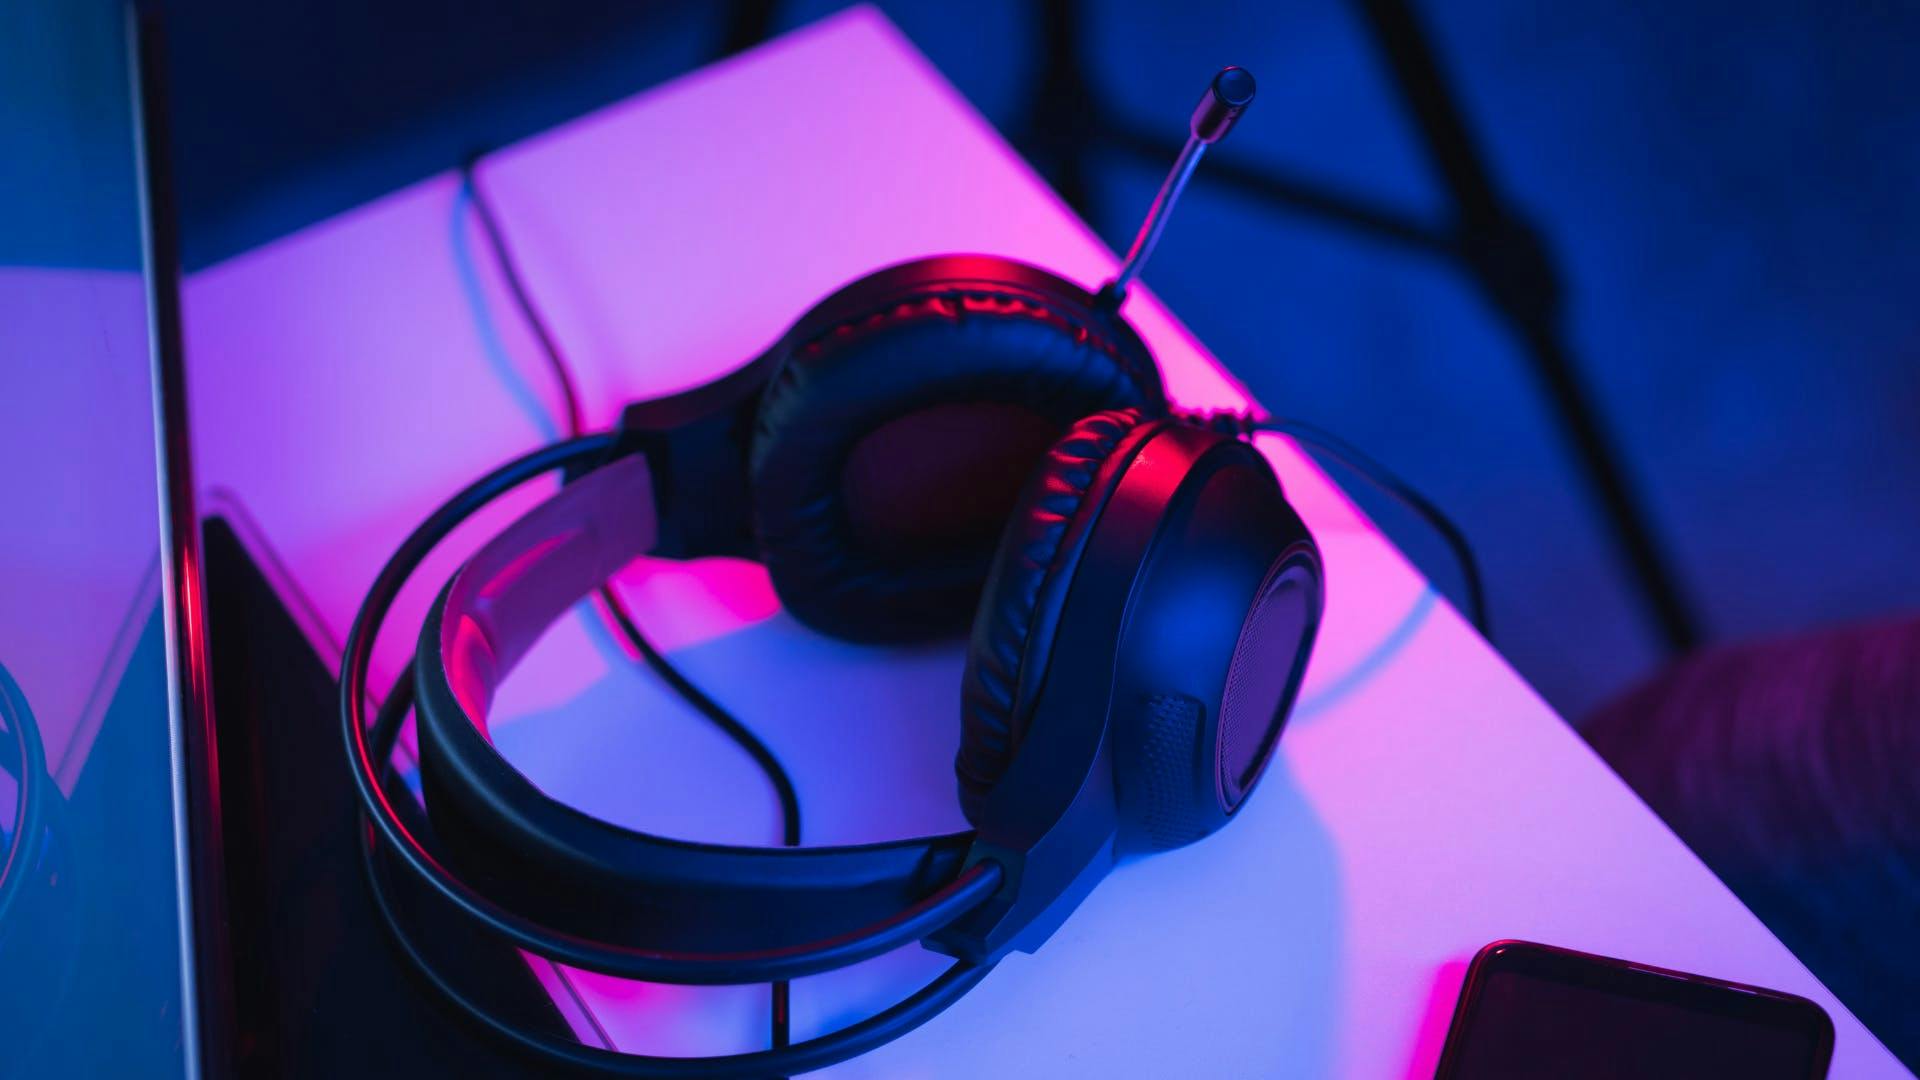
(955, 436)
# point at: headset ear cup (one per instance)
(1013, 628)
(892, 439)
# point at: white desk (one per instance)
(1424, 801)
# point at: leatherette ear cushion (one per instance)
(1020, 605)
(893, 439)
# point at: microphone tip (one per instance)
(1226, 98)
(1235, 86)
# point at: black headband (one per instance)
(578, 873)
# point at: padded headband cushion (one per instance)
(1013, 632)
(895, 436)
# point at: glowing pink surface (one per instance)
(1424, 802)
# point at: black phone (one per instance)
(1536, 1010)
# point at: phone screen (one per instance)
(1536, 1010)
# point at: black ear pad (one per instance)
(907, 410)
(1020, 605)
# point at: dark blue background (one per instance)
(1728, 187)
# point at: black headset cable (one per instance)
(1318, 440)
(613, 607)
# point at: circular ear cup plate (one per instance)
(893, 438)
(1152, 576)
(1264, 674)
(1223, 611)
(1019, 607)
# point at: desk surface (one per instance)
(1424, 801)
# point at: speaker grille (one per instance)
(1169, 752)
(1266, 665)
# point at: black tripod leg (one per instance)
(1063, 116)
(1291, 193)
(749, 22)
(1510, 261)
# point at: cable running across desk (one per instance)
(1345, 453)
(613, 608)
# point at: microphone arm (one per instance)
(1226, 98)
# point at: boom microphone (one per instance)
(1220, 107)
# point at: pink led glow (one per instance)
(511, 574)
(1423, 803)
(470, 667)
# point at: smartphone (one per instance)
(1536, 1010)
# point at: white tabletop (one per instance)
(1423, 802)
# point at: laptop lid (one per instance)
(97, 625)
